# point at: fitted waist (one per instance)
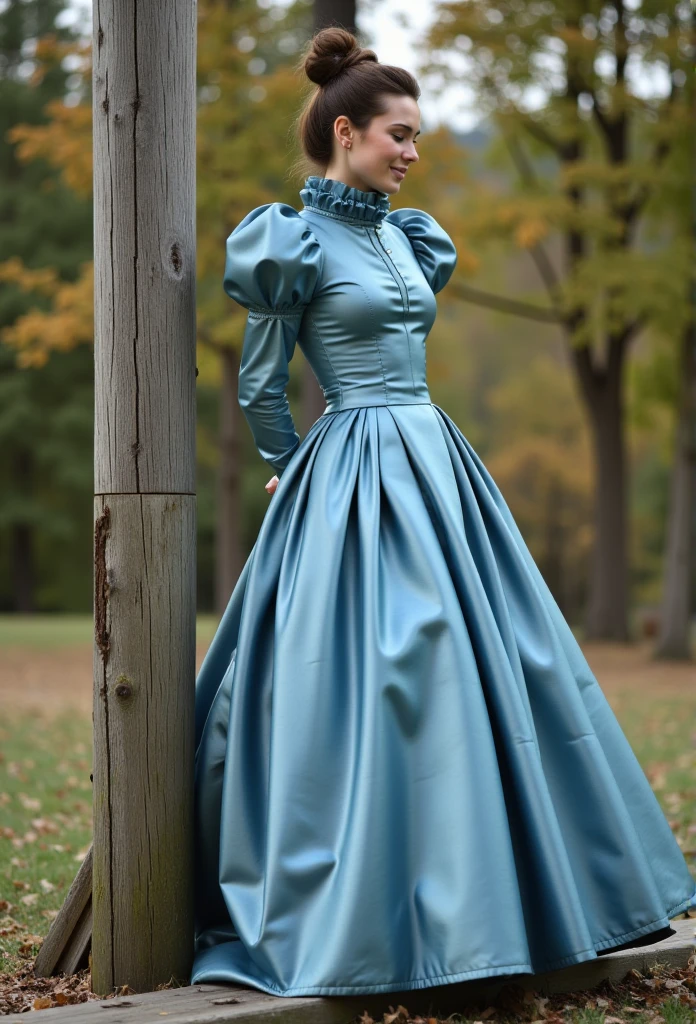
(363, 395)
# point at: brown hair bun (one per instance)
(332, 51)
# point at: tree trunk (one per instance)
(229, 559)
(553, 553)
(673, 641)
(334, 12)
(144, 116)
(22, 543)
(326, 13)
(607, 617)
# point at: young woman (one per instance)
(407, 774)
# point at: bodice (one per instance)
(352, 282)
(365, 328)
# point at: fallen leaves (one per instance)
(27, 946)
(658, 989)
(29, 803)
(23, 991)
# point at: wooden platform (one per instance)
(213, 1004)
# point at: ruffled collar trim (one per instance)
(336, 199)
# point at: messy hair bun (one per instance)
(332, 51)
(351, 81)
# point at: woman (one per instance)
(406, 774)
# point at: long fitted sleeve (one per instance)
(272, 268)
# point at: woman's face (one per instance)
(378, 158)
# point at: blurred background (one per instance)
(557, 149)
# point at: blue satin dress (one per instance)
(406, 773)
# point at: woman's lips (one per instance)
(401, 174)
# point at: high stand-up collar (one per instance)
(344, 202)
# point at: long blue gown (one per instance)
(406, 772)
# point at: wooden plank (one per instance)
(216, 1004)
(64, 947)
(75, 956)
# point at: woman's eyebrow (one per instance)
(401, 124)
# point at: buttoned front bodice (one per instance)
(350, 282)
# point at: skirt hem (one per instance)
(479, 972)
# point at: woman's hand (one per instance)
(272, 484)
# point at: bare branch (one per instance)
(538, 252)
(541, 134)
(503, 305)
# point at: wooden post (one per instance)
(144, 110)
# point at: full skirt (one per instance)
(406, 773)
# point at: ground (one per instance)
(45, 808)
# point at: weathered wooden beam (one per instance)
(65, 948)
(212, 1004)
(144, 115)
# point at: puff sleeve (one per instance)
(433, 247)
(272, 267)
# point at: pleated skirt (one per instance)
(406, 773)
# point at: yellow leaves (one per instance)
(526, 220)
(468, 263)
(529, 233)
(65, 142)
(43, 281)
(37, 333)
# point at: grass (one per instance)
(662, 732)
(46, 632)
(45, 824)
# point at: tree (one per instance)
(45, 418)
(590, 163)
(542, 463)
(679, 592)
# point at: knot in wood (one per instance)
(176, 258)
(123, 690)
